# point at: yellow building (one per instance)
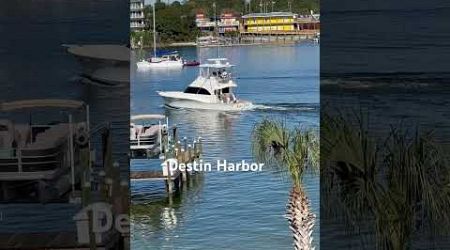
(273, 21)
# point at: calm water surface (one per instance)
(227, 210)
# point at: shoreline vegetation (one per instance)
(175, 22)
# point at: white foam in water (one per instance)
(280, 108)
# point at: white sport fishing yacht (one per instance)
(146, 135)
(212, 89)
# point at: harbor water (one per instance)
(227, 210)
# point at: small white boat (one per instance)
(146, 133)
(212, 89)
(165, 61)
(172, 60)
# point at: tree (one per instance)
(393, 188)
(297, 152)
(300, 7)
(173, 22)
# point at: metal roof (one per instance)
(270, 14)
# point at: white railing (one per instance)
(139, 16)
(16, 159)
(205, 24)
(137, 6)
(225, 24)
(137, 25)
(220, 24)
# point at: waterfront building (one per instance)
(308, 23)
(204, 23)
(137, 18)
(269, 22)
(229, 22)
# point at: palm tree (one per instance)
(296, 151)
(393, 187)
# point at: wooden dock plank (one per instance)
(151, 176)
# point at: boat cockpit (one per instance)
(225, 95)
(171, 57)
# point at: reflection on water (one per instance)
(150, 214)
(240, 210)
(212, 123)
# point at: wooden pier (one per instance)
(173, 151)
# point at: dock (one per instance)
(150, 176)
(173, 151)
(99, 188)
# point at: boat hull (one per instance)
(145, 152)
(180, 103)
(160, 65)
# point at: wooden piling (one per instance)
(182, 152)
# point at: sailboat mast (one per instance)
(216, 31)
(154, 30)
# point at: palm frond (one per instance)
(293, 150)
(403, 184)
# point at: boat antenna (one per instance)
(154, 30)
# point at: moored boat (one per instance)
(44, 153)
(192, 63)
(172, 60)
(146, 132)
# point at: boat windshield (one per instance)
(194, 90)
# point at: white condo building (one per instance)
(137, 18)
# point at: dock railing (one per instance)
(31, 160)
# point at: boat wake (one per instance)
(267, 107)
(286, 107)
